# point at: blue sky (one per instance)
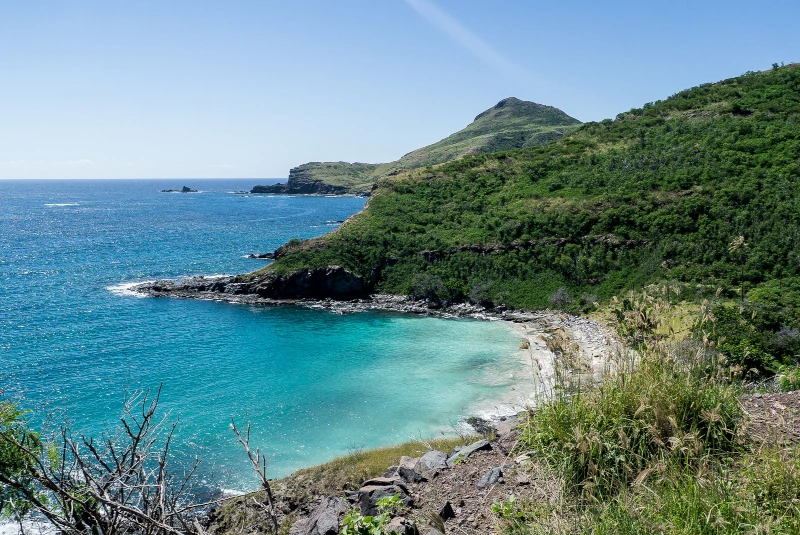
(250, 89)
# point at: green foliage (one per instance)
(658, 194)
(356, 524)
(789, 378)
(19, 449)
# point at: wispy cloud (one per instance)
(464, 37)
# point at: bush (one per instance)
(560, 299)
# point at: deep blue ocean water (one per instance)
(314, 384)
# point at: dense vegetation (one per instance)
(511, 124)
(701, 190)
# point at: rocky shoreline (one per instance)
(459, 486)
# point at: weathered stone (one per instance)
(324, 520)
(490, 478)
(505, 426)
(446, 512)
(402, 526)
(369, 495)
(523, 479)
(391, 472)
(433, 460)
(464, 453)
(408, 469)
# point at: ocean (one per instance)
(314, 384)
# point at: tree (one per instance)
(120, 484)
(738, 247)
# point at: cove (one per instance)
(314, 384)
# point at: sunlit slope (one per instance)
(657, 194)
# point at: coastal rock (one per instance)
(331, 282)
(184, 189)
(262, 256)
(324, 520)
(490, 478)
(369, 495)
(302, 182)
(464, 453)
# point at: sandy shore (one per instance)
(592, 344)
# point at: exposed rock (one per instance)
(408, 469)
(402, 526)
(262, 256)
(331, 282)
(464, 453)
(490, 478)
(505, 425)
(324, 520)
(433, 460)
(391, 471)
(446, 512)
(184, 189)
(369, 495)
(302, 182)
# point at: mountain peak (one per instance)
(512, 107)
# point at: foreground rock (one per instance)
(325, 520)
(426, 485)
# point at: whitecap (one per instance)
(126, 289)
(62, 204)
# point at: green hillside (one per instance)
(511, 124)
(661, 193)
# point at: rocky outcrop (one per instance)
(303, 182)
(331, 282)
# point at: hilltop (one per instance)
(511, 124)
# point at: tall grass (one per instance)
(658, 446)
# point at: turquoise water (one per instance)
(314, 384)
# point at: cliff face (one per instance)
(326, 178)
(510, 124)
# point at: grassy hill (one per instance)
(511, 124)
(660, 194)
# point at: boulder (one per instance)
(446, 512)
(433, 460)
(369, 495)
(324, 520)
(408, 469)
(490, 478)
(402, 526)
(464, 453)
